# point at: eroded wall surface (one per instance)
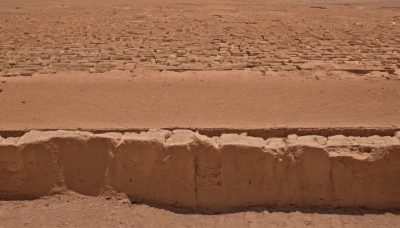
(182, 168)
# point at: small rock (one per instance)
(12, 62)
(8, 74)
(26, 73)
(124, 201)
(181, 53)
(306, 66)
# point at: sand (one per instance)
(235, 100)
(72, 210)
(108, 71)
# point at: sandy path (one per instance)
(195, 99)
(80, 211)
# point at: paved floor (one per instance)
(97, 36)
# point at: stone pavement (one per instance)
(358, 38)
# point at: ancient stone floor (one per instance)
(359, 37)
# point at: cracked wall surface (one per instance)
(182, 168)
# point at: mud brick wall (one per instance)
(182, 168)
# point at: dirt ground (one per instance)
(203, 64)
(71, 210)
(119, 64)
(232, 99)
(228, 64)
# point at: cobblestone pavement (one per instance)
(57, 36)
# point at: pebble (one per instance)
(27, 73)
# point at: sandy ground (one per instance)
(243, 64)
(232, 99)
(73, 210)
(222, 47)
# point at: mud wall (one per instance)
(182, 168)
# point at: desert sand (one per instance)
(232, 99)
(199, 113)
(117, 211)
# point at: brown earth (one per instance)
(232, 99)
(72, 210)
(266, 68)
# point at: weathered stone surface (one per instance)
(170, 38)
(185, 169)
